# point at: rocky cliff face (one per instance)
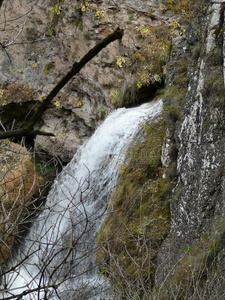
(197, 201)
(40, 41)
(199, 135)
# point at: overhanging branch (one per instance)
(77, 66)
(23, 132)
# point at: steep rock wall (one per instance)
(197, 201)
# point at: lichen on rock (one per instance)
(197, 201)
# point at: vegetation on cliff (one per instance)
(139, 216)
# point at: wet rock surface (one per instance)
(197, 201)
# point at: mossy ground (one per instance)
(138, 218)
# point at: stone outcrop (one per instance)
(18, 184)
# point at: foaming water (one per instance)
(59, 251)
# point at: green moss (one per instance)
(139, 216)
(48, 67)
(197, 50)
(174, 99)
(214, 76)
(116, 98)
(199, 7)
(46, 170)
(102, 112)
(177, 5)
(214, 79)
(80, 25)
(174, 96)
(133, 95)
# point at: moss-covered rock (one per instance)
(18, 184)
(139, 217)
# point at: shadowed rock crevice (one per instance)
(134, 96)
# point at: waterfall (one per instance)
(59, 252)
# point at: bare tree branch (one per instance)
(77, 66)
(4, 48)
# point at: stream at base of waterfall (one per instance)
(57, 257)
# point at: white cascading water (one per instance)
(59, 253)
